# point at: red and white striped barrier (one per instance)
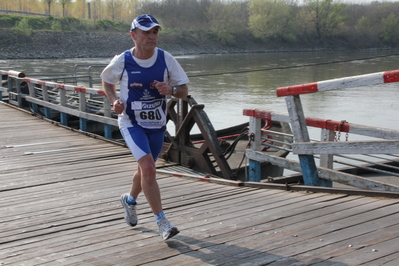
(341, 126)
(12, 73)
(310, 121)
(65, 86)
(52, 84)
(341, 83)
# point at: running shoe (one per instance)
(130, 211)
(166, 230)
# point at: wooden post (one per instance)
(300, 131)
(254, 168)
(10, 90)
(107, 113)
(63, 102)
(19, 94)
(82, 108)
(326, 160)
(1, 92)
(182, 110)
(32, 94)
(47, 111)
(185, 133)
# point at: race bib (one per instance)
(149, 114)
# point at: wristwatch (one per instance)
(174, 90)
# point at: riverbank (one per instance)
(62, 44)
(48, 44)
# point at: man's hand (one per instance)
(163, 88)
(118, 106)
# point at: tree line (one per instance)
(286, 21)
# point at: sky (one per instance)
(360, 1)
(365, 1)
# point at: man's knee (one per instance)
(147, 167)
(148, 171)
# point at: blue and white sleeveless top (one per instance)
(145, 106)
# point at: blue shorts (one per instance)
(143, 141)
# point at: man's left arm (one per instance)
(181, 91)
(176, 76)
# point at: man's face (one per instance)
(146, 40)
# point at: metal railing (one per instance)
(89, 68)
(59, 99)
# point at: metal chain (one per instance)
(337, 136)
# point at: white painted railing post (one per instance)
(82, 108)
(10, 92)
(19, 93)
(63, 102)
(47, 111)
(3, 76)
(32, 94)
(107, 113)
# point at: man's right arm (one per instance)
(110, 91)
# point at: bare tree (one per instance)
(49, 2)
(80, 9)
(63, 4)
(114, 8)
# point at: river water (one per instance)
(228, 83)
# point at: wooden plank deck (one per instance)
(60, 206)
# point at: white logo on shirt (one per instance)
(136, 85)
(146, 96)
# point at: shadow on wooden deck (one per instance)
(60, 206)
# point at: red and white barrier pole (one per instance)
(341, 83)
